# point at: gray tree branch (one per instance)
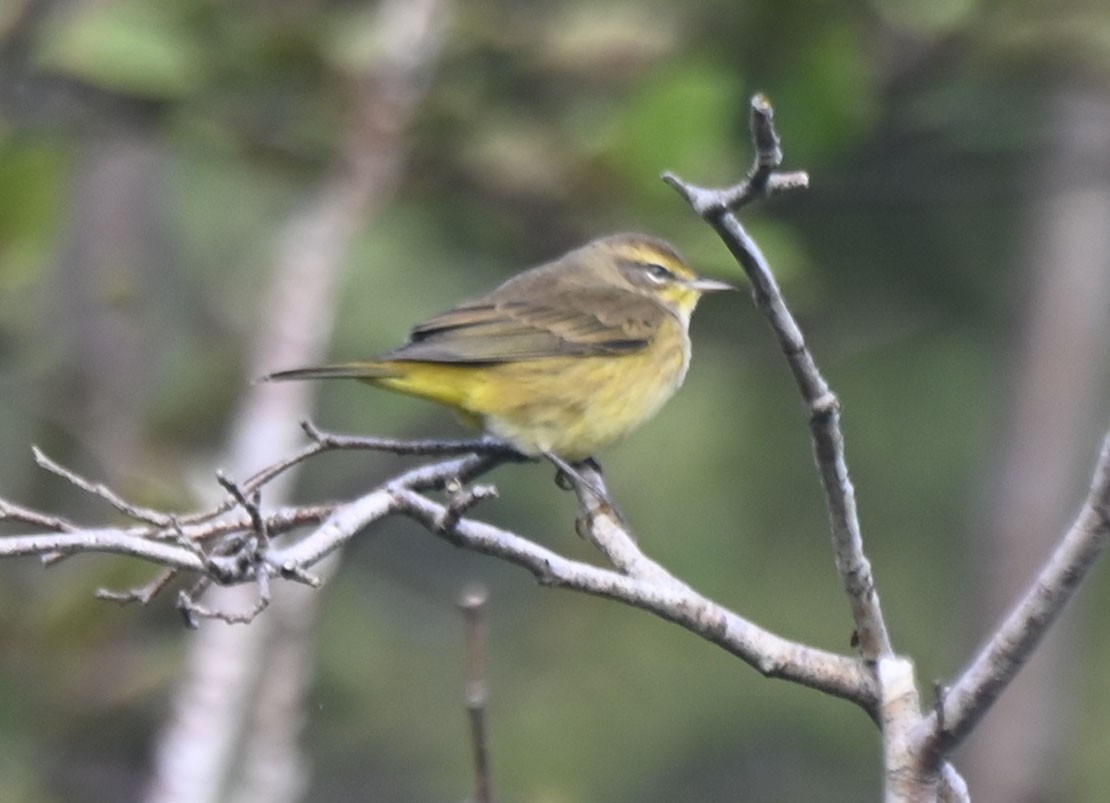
(718, 207)
(966, 701)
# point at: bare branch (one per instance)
(134, 542)
(347, 519)
(462, 500)
(232, 549)
(250, 506)
(601, 525)
(953, 788)
(229, 550)
(155, 517)
(141, 595)
(764, 178)
(766, 652)
(326, 442)
(899, 709)
(9, 511)
(915, 746)
(473, 606)
(424, 448)
(188, 603)
(716, 208)
(996, 665)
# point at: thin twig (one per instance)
(177, 544)
(9, 511)
(996, 665)
(135, 542)
(462, 500)
(193, 610)
(430, 447)
(322, 442)
(763, 179)
(137, 512)
(142, 595)
(473, 606)
(249, 505)
(347, 519)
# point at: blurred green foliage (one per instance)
(546, 124)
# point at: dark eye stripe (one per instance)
(639, 271)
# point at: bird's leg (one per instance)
(591, 463)
(605, 500)
(568, 472)
(571, 472)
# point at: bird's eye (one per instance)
(658, 273)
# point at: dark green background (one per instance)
(546, 124)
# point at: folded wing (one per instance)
(599, 321)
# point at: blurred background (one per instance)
(186, 183)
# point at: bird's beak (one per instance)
(703, 285)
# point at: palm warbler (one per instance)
(563, 359)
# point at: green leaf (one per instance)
(136, 47)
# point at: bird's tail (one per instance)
(346, 370)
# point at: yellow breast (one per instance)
(576, 407)
(572, 406)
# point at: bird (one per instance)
(561, 360)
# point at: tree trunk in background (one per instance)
(235, 731)
(1020, 753)
(106, 290)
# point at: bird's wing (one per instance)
(597, 321)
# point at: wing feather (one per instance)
(596, 321)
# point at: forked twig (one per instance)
(132, 511)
